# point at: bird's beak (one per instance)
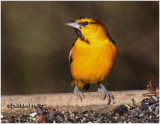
(73, 24)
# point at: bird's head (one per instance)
(88, 29)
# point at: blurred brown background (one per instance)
(36, 44)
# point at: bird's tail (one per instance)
(81, 85)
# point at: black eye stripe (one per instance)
(87, 23)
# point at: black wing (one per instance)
(70, 59)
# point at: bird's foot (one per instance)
(78, 92)
(106, 93)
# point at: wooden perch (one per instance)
(69, 101)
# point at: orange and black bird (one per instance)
(92, 55)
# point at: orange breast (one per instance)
(92, 63)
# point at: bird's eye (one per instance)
(85, 23)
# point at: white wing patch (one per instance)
(70, 59)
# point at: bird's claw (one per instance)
(78, 92)
(106, 93)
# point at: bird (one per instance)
(92, 55)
